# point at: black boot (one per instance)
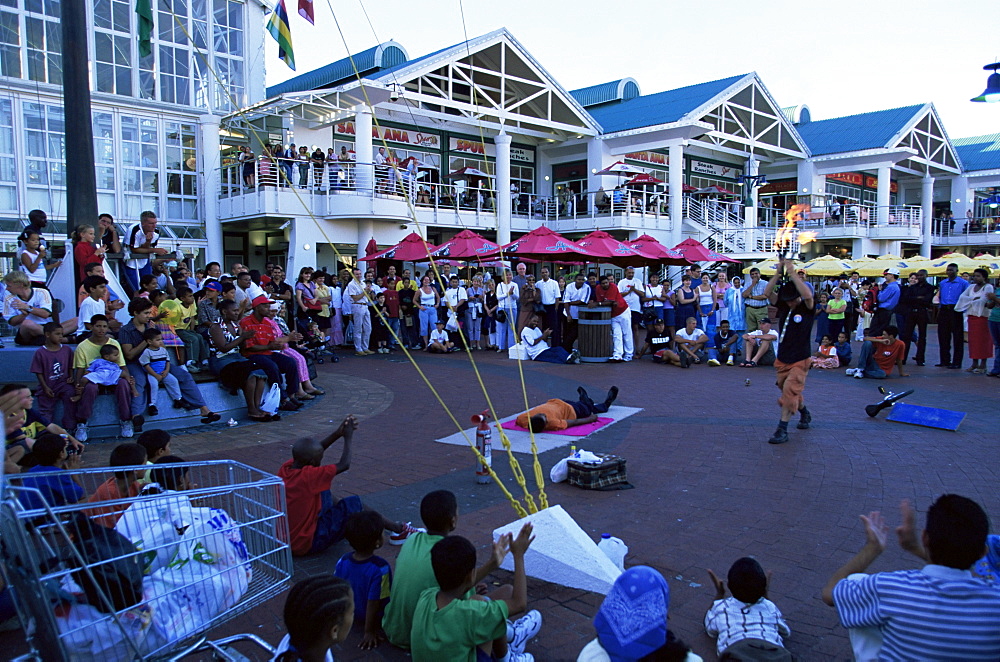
(805, 418)
(612, 396)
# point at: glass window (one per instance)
(10, 41)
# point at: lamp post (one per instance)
(992, 92)
(749, 183)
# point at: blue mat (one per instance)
(930, 417)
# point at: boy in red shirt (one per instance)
(621, 319)
(315, 519)
(879, 355)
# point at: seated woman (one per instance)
(235, 372)
(632, 622)
(306, 390)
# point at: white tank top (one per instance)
(426, 299)
(39, 275)
(705, 298)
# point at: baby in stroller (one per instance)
(317, 343)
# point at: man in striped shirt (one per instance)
(941, 612)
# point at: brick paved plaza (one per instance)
(708, 488)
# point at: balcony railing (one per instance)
(979, 227)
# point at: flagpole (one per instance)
(81, 180)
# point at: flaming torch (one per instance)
(788, 236)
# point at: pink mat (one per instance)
(575, 431)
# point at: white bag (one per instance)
(89, 634)
(560, 471)
(518, 351)
(271, 400)
(452, 324)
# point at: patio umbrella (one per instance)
(465, 244)
(651, 246)
(542, 244)
(770, 266)
(621, 169)
(615, 251)
(643, 180)
(695, 251)
(469, 171)
(988, 261)
(827, 265)
(413, 247)
(938, 266)
(714, 190)
(877, 266)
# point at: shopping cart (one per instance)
(176, 564)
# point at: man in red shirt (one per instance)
(264, 351)
(879, 355)
(621, 319)
(315, 519)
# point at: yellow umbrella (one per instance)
(768, 267)
(988, 261)
(877, 266)
(827, 265)
(938, 266)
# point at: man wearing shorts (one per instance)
(794, 300)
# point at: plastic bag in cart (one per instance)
(89, 634)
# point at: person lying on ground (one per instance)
(562, 414)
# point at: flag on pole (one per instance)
(144, 11)
(282, 33)
(306, 10)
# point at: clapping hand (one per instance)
(520, 544)
(876, 530)
(348, 427)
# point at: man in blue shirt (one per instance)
(935, 613)
(951, 332)
(888, 299)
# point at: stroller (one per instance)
(315, 343)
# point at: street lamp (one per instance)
(750, 182)
(992, 92)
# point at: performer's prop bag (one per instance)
(610, 474)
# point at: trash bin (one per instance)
(594, 341)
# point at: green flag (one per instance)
(145, 13)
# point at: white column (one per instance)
(927, 211)
(302, 239)
(809, 182)
(675, 177)
(503, 188)
(882, 195)
(211, 181)
(751, 169)
(366, 231)
(961, 200)
(363, 149)
(597, 159)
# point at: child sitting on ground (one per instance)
(369, 575)
(825, 358)
(157, 445)
(748, 625)
(315, 519)
(319, 613)
(439, 342)
(415, 574)
(449, 626)
(844, 351)
(156, 362)
(122, 485)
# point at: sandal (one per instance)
(749, 364)
(210, 417)
(261, 418)
(317, 391)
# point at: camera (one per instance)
(394, 95)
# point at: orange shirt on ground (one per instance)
(556, 411)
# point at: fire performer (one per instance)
(796, 311)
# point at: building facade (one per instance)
(155, 118)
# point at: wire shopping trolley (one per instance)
(143, 577)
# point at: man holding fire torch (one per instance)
(794, 300)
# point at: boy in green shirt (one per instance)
(414, 574)
(450, 625)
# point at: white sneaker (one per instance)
(859, 373)
(81, 432)
(713, 362)
(192, 367)
(729, 361)
(127, 429)
(522, 630)
(850, 372)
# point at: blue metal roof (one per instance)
(622, 89)
(373, 59)
(659, 108)
(979, 152)
(856, 132)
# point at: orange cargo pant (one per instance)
(791, 379)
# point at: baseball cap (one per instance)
(892, 270)
(260, 300)
(766, 320)
(213, 285)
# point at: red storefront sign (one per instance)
(861, 179)
(649, 157)
(380, 133)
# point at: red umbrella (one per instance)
(643, 180)
(715, 190)
(413, 247)
(615, 251)
(465, 244)
(651, 246)
(371, 247)
(695, 251)
(687, 188)
(543, 244)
